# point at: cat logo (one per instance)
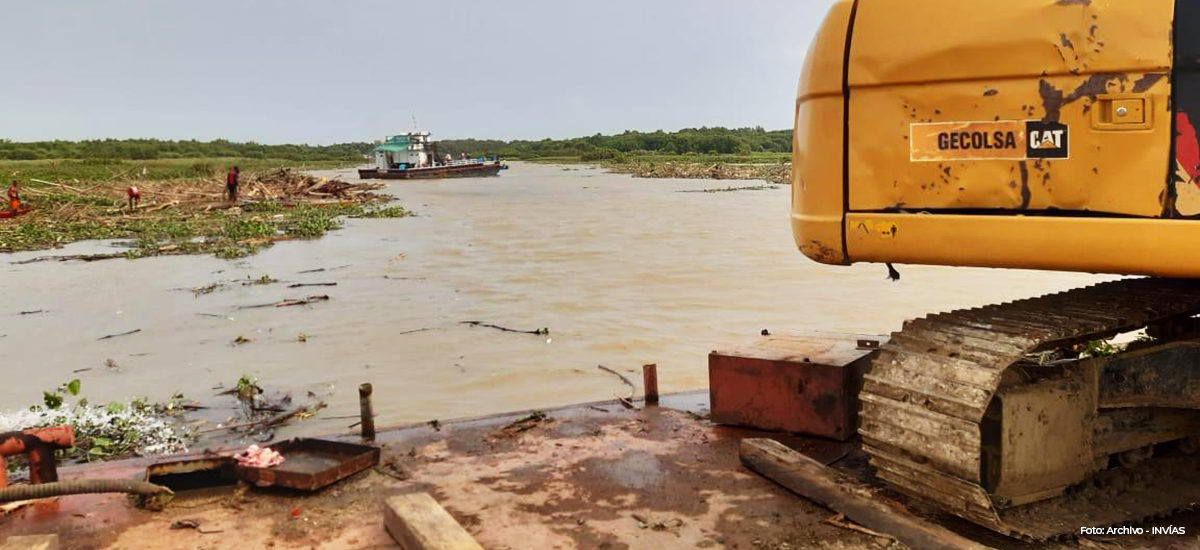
(988, 140)
(1047, 140)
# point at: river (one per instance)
(623, 272)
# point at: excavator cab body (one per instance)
(1041, 134)
(1035, 134)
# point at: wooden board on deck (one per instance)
(842, 493)
(31, 542)
(418, 522)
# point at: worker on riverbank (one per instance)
(231, 184)
(134, 196)
(14, 196)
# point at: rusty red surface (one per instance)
(59, 437)
(793, 382)
(40, 444)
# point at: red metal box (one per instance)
(800, 382)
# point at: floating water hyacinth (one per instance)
(107, 431)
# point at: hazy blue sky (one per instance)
(301, 71)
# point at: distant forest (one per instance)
(704, 141)
(153, 149)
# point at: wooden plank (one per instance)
(418, 522)
(31, 542)
(842, 493)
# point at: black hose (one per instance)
(81, 487)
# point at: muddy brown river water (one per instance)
(622, 271)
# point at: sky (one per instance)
(334, 71)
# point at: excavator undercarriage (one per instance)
(991, 414)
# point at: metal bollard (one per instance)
(367, 413)
(650, 383)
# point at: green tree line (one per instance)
(690, 141)
(153, 149)
(703, 141)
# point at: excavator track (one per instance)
(924, 402)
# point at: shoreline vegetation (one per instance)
(692, 153)
(778, 173)
(78, 188)
(182, 210)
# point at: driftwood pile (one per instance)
(289, 184)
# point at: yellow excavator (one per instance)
(1029, 134)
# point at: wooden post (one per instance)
(365, 410)
(650, 383)
(842, 493)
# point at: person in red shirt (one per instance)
(14, 196)
(134, 195)
(231, 184)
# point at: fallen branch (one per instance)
(33, 312)
(619, 375)
(540, 331)
(59, 185)
(626, 401)
(524, 424)
(323, 269)
(290, 302)
(80, 257)
(302, 285)
(162, 206)
(271, 422)
(414, 331)
(134, 331)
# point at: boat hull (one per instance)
(434, 172)
(5, 214)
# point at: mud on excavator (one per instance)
(1033, 134)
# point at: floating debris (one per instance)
(291, 302)
(323, 269)
(540, 331)
(731, 189)
(110, 336)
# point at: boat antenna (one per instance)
(414, 117)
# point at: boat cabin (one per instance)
(403, 152)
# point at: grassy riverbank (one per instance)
(771, 167)
(182, 210)
(714, 168)
(72, 171)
